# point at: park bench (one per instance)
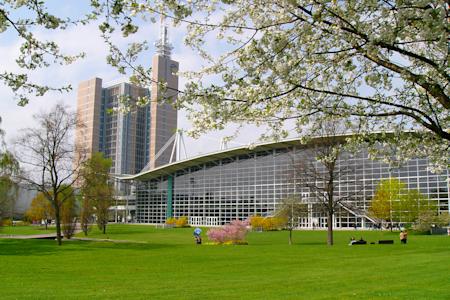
(385, 241)
(360, 242)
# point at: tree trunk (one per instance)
(104, 228)
(58, 226)
(330, 229)
(290, 236)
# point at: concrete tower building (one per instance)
(163, 115)
(89, 101)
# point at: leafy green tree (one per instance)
(427, 219)
(9, 168)
(97, 191)
(411, 205)
(69, 213)
(387, 191)
(86, 212)
(394, 202)
(103, 200)
(290, 210)
(40, 209)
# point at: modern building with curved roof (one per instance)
(219, 187)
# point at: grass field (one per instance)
(25, 230)
(170, 266)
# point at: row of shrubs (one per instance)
(178, 222)
(10, 222)
(267, 223)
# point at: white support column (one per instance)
(310, 218)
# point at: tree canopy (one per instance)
(290, 210)
(49, 157)
(9, 168)
(393, 201)
(382, 65)
(23, 19)
(97, 191)
(40, 209)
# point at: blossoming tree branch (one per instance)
(380, 66)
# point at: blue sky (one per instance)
(87, 39)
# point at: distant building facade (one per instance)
(25, 196)
(219, 187)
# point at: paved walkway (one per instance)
(28, 236)
(31, 236)
(107, 240)
(53, 235)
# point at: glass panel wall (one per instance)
(237, 187)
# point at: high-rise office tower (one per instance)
(121, 136)
(132, 139)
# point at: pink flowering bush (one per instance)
(216, 235)
(233, 233)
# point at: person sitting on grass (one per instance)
(352, 241)
(357, 242)
(198, 238)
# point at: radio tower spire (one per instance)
(163, 47)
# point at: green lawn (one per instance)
(25, 230)
(171, 266)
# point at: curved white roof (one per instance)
(197, 160)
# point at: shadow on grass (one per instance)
(117, 231)
(120, 245)
(311, 243)
(27, 247)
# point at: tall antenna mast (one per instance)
(163, 47)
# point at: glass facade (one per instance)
(124, 136)
(225, 186)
